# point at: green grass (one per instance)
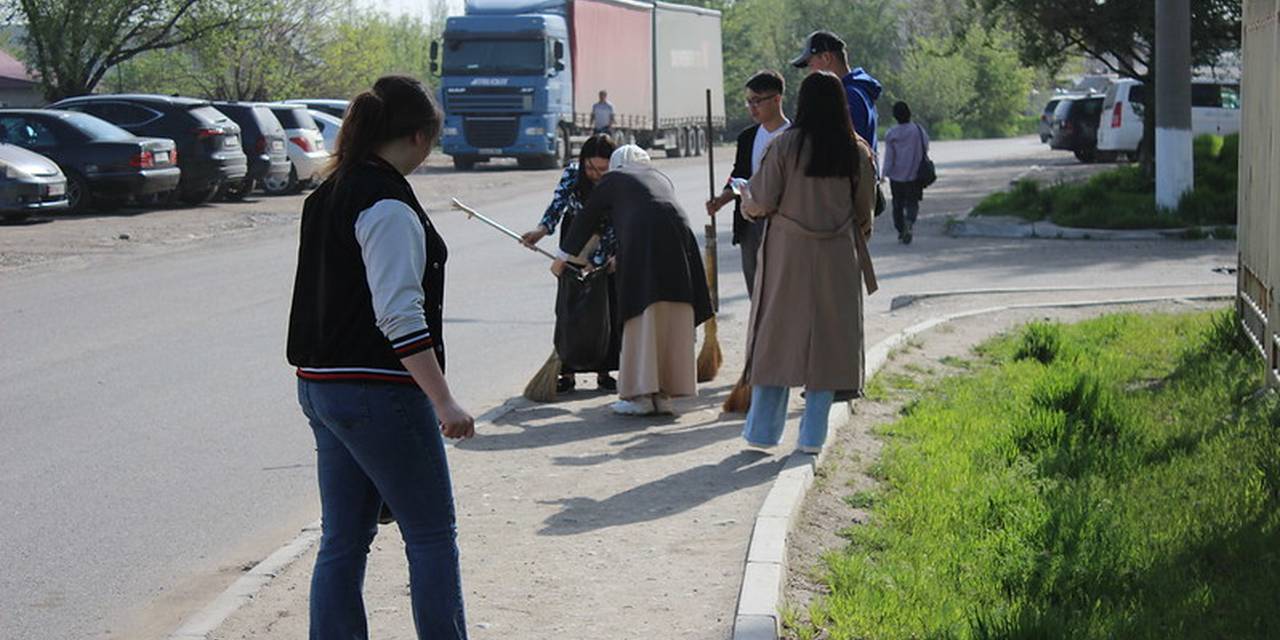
(1124, 198)
(1119, 478)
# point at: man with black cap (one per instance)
(824, 51)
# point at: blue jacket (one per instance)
(863, 91)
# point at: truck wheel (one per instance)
(461, 163)
(699, 141)
(564, 150)
(672, 139)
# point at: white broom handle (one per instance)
(472, 213)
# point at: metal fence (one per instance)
(1259, 231)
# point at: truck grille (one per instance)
(490, 133)
(477, 100)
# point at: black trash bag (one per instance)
(583, 326)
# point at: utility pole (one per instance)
(1175, 173)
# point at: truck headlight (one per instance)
(535, 131)
(450, 131)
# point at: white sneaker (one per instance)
(813, 450)
(637, 407)
(762, 448)
(662, 404)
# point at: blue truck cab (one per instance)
(506, 83)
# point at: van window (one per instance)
(1230, 97)
(295, 119)
(1053, 105)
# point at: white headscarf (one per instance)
(626, 156)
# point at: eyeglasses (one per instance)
(755, 102)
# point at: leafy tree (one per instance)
(73, 44)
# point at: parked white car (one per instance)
(329, 128)
(307, 151)
(1215, 109)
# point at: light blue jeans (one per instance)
(768, 416)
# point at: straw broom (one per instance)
(710, 358)
(542, 388)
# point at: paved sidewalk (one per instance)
(576, 523)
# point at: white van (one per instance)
(1215, 109)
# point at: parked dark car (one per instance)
(105, 165)
(29, 183)
(208, 141)
(1075, 127)
(1046, 118)
(264, 142)
(336, 108)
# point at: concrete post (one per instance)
(1174, 165)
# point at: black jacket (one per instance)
(658, 258)
(742, 169)
(333, 334)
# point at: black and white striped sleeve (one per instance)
(393, 245)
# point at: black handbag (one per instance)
(583, 324)
(926, 173)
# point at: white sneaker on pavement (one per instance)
(748, 445)
(636, 407)
(662, 404)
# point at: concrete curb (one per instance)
(247, 587)
(758, 615)
(909, 299)
(970, 228)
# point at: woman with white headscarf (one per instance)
(662, 287)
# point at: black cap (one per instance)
(818, 42)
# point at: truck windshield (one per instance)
(495, 56)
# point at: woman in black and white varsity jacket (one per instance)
(365, 336)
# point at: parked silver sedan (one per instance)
(29, 183)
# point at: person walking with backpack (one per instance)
(365, 333)
(906, 146)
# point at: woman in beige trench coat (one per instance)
(816, 188)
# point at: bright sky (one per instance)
(416, 8)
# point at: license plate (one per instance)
(161, 157)
(56, 189)
(277, 145)
(231, 141)
(490, 152)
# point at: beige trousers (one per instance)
(658, 352)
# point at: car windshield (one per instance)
(96, 128)
(466, 57)
(296, 118)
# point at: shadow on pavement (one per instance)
(675, 493)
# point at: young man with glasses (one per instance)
(764, 103)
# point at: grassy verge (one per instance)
(1124, 198)
(1119, 478)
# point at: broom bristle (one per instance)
(709, 358)
(542, 388)
(739, 400)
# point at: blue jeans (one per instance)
(768, 415)
(377, 442)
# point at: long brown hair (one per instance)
(396, 107)
(822, 114)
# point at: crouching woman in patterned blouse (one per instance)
(568, 202)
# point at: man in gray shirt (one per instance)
(602, 114)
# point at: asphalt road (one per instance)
(150, 444)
